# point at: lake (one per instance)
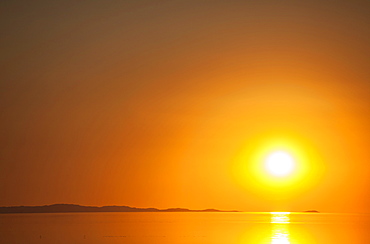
(176, 228)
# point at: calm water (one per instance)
(176, 228)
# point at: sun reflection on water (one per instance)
(280, 228)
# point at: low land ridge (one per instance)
(73, 208)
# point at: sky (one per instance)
(167, 103)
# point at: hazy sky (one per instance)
(149, 103)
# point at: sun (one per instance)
(277, 167)
(280, 163)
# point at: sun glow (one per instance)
(278, 166)
(280, 163)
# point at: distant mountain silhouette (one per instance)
(311, 211)
(73, 208)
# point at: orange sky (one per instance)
(158, 103)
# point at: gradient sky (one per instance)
(149, 103)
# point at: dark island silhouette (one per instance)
(74, 208)
(311, 211)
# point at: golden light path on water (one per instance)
(280, 228)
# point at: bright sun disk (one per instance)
(279, 163)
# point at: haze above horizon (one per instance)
(248, 105)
